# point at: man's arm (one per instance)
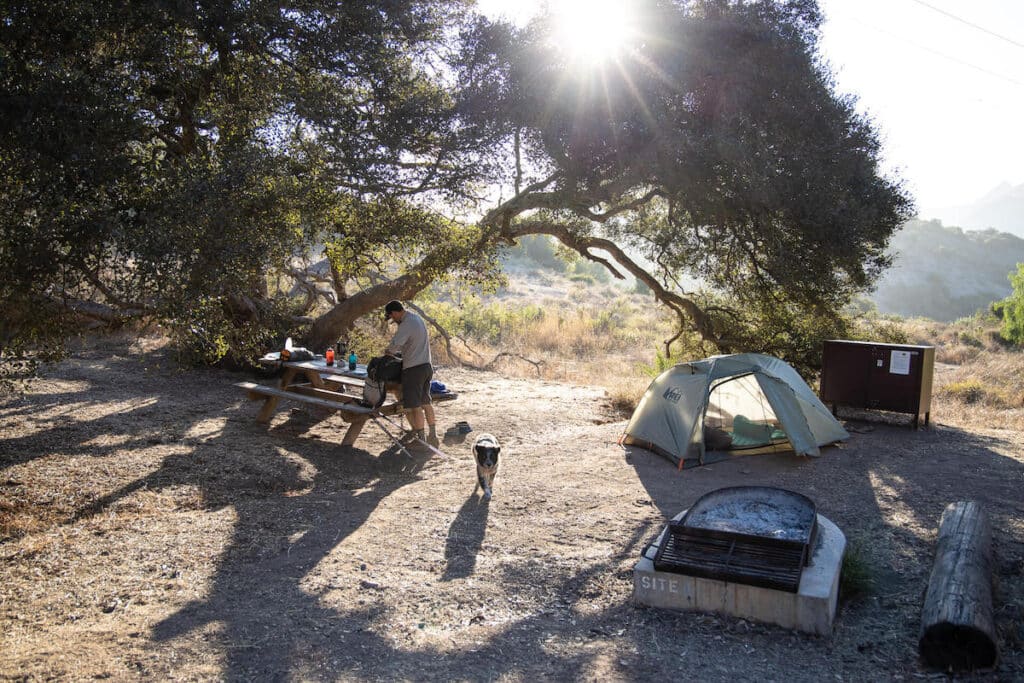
(397, 342)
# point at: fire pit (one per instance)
(756, 535)
(755, 552)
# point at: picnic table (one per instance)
(333, 387)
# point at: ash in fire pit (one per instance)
(754, 535)
(754, 511)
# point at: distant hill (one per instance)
(945, 273)
(942, 273)
(1001, 209)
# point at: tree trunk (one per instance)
(957, 629)
(337, 322)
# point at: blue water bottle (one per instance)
(352, 361)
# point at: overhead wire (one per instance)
(1011, 41)
(904, 39)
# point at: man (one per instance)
(413, 345)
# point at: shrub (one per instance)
(955, 354)
(596, 271)
(540, 249)
(975, 392)
(882, 330)
(855, 577)
(1011, 309)
(661, 364)
(625, 396)
(966, 391)
(968, 338)
(585, 278)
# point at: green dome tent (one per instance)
(727, 403)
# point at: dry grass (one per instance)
(546, 327)
(627, 393)
(599, 340)
(976, 382)
(985, 390)
(957, 342)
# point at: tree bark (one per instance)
(338, 322)
(957, 628)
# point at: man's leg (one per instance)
(428, 412)
(428, 409)
(416, 395)
(416, 431)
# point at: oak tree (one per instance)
(169, 158)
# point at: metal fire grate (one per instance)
(754, 535)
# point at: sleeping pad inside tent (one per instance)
(744, 402)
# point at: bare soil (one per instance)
(151, 530)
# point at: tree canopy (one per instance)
(155, 156)
(165, 158)
(716, 148)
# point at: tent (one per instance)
(745, 401)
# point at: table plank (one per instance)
(258, 391)
(318, 364)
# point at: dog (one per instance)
(486, 450)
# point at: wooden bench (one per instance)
(343, 404)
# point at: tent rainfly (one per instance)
(740, 401)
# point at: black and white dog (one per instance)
(486, 451)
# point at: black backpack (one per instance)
(379, 371)
(384, 369)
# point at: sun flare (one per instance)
(592, 30)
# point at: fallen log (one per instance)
(957, 627)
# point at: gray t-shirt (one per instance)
(411, 341)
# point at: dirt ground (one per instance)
(151, 530)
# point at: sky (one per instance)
(943, 81)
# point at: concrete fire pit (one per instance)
(733, 516)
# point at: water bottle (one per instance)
(352, 361)
(341, 351)
(329, 356)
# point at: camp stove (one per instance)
(754, 535)
(753, 552)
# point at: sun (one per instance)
(592, 30)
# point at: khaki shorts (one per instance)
(416, 385)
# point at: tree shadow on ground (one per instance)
(297, 499)
(272, 628)
(55, 422)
